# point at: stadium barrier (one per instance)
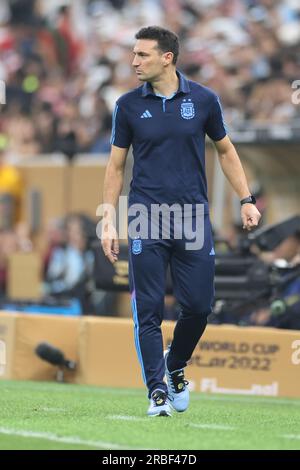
(27, 287)
(21, 333)
(229, 359)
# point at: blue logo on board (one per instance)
(136, 246)
(187, 109)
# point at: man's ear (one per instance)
(168, 56)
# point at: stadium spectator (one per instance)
(11, 189)
(71, 265)
(8, 246)
(55, 238)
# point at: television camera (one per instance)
(244, 282)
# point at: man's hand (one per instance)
(110, 241)
(250, 216)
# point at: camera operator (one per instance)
(285, 311)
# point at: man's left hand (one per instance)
(250, 216)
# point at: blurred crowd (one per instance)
(67, 261)
(65, 63)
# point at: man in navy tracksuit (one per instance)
(166, 121)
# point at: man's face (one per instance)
(149, 62)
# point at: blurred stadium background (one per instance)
(62, 66)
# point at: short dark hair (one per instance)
(167, 41)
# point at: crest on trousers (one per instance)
(136, 246)
(187, 109)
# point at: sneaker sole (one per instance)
(179, 411)
(161, 413)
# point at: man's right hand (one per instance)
(110, 242)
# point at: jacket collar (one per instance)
(184, 86)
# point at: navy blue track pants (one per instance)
(192, 276)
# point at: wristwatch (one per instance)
(248, 200)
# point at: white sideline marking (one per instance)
(217, 427)
(126, 418)
(291, 436)
(64, 439)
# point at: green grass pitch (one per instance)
(44, 415)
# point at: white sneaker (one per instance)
(178, 391)
(159, 405)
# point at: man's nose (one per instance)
(135, 62)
